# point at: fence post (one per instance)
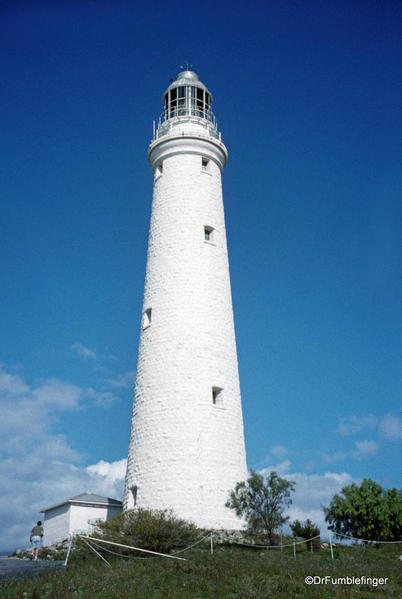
(281, 544)
(212, 543)
(294, 550)
(330, 544)
(68, 550)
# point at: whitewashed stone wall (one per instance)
(56, 525)
(186, 452)
(64, 520)
(81, 514)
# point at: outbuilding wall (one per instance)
(66, 519)
(80, 514)
(56, 525)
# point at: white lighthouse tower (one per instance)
(187, 442)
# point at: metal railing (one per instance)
(171, 117)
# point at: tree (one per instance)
(262, 503)
(366, 512)
(305, 530)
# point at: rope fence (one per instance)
(339, 534)
(93, 542)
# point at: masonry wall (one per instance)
(61, 521)
(187, 452)
(80, 514)
(56, 525)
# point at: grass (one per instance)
(232, 572)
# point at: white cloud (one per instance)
(110, 472)
(82, 351)
(365, 450)
(102, 398)
(312, 491)
(124, 380)
(335, 457)
(351, 425)
(279, 451)
(280, 468)
(57, 395)
(391, 427)
(37, 467)
(11, 384)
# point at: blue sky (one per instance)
(308, 99)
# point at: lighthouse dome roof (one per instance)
(187, 77)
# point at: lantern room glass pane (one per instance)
(187, 100)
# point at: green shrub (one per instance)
(305, 530)
(156, 530)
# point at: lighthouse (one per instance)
(187, 441)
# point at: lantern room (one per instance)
(187, 96)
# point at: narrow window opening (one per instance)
(205, 163)
(159, 169)
(208, 233)
(217, 396)
(146, 318)
(134, 491)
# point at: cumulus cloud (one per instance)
(339, 456)
(57, 395)
(279, 451)
(110, 472)
(37, 467)
(391, 427)
(10, 384)
(351, 425)
(280, 468)
(51, 473)
(365, 450)
(124, 380)
(82, 351)
(102, 398)
(312, 491)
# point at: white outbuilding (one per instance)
(77, 514)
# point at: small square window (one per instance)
(146, 318)
(217, 396)
(204, 163)
(208, 233)
(158, 170)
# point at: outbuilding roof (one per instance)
(87, 499)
